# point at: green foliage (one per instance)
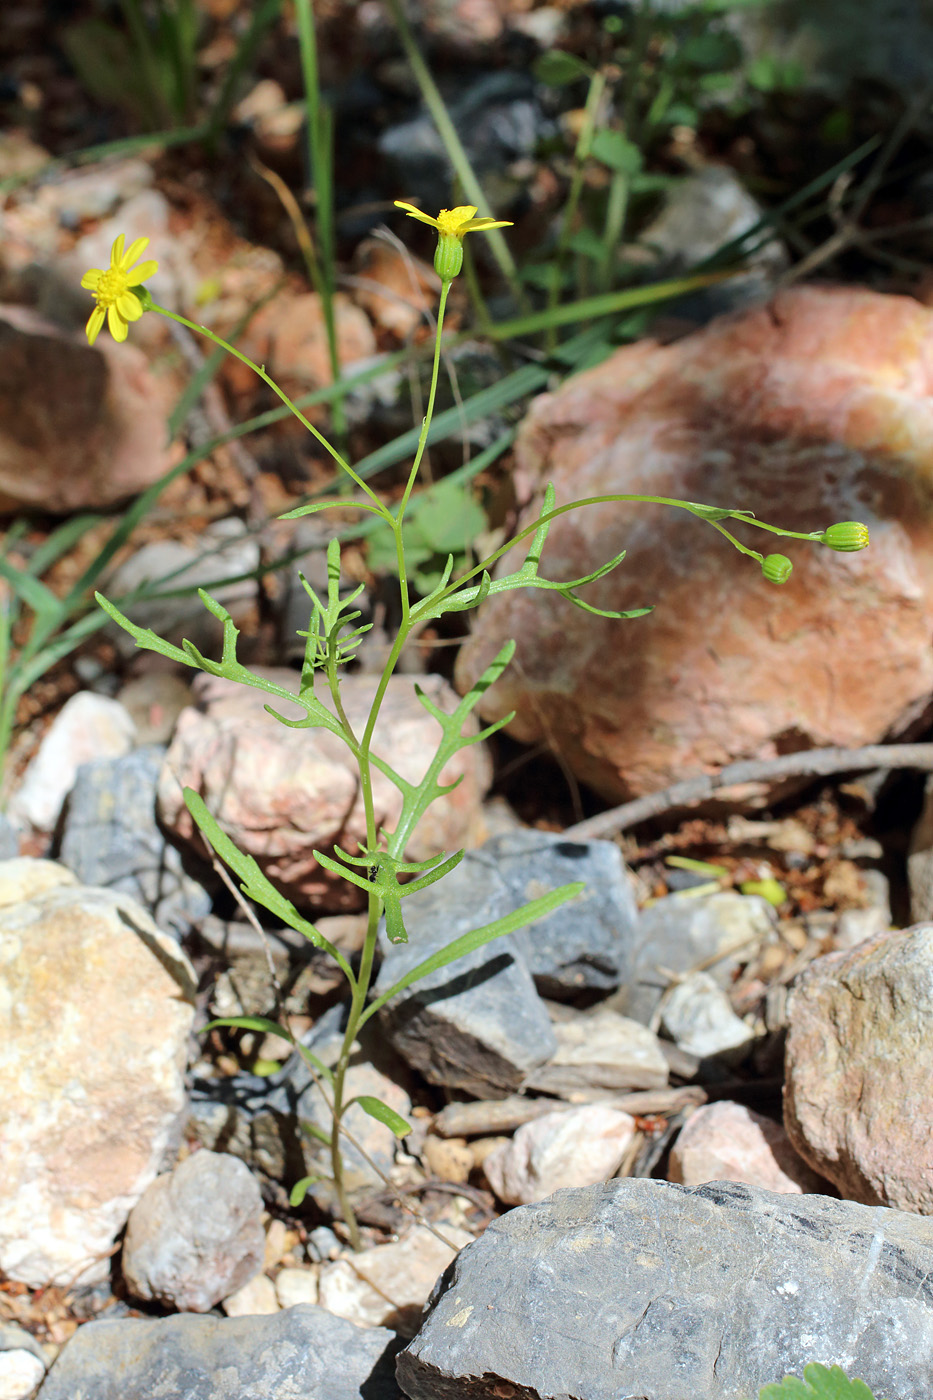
(148, 65)
(819, 1383)
(445, 520)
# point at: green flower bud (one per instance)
(846, 536)
(448, 259)
(776, 568)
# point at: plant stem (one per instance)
(362, 752)
(292, 408)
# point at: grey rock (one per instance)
(301, 1353)
(681, 932)
(601, 1051)
(195, 1236)
(920, 861)
(9, 839)
(111, 839)
(585, 945)
(499, 119)
(650, 1291)
(222, 563)
(477, 1024)
(703, 213)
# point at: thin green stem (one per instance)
(341, 461)
(426, 421)
(615, 498)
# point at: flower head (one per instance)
(116, 289)
(776, 568)
(452, 225)
(847, 536)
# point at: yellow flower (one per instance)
(113, 286)
(452, 225)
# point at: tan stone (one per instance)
(728, 1142)
(448, 1158)
(281, 792)
(813, 409)
(80, 427)
(388, 1286)
(397, 288)
(95, 1010)
(25, 877)
(859, 1065)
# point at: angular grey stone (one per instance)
(477, 1024)
(111, 839)
(679, 933)
(302, 1353)
(643, 1290)
(9, 839)
(195, 1236)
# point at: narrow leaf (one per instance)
(383, 1114)
(301, 1188)
(468, 942)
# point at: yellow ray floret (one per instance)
(112, 287)
(455, 222)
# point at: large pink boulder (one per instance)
(80, 427)
(281, 792)
(813, 409)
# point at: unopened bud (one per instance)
(847, 536)
(776, 568)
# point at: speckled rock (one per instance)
(812, 409)
(196, 1234)
(576, 1147)
(95, 1007)
(859, 1063)
(300, 1352)
(279, 792)
(728, 1142)
(639, 1288)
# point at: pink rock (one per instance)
(728, 1142)
(79, 427)
(573, 1147)
(279, 792)
(816, 408)
(859, 1065)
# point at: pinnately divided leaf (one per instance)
(819, 1383)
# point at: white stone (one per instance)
(698, 1015)
(20, 1373)
(576, 1147)
(255, 1299)
(345, 1294)
(88, 726)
